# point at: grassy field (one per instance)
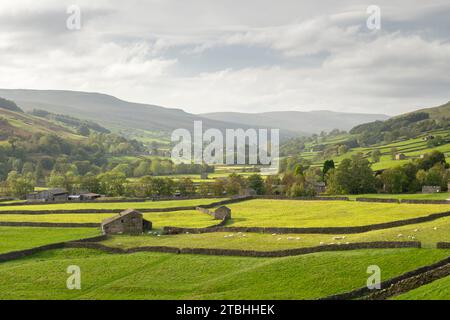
(414, 196)
(412, 148)
(168, 276)
(294, 213)
(266, 213)
(112, 206)
(437, 290)
(188, 219)
(428, 233)
(13, 238)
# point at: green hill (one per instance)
(412, 135)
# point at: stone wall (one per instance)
(321, 230)
(49, 224)
(365, 292)
(412, 201)
(249, 253)
(207, 206)
(27, 252)
(273, 197)
(411, 283)
(378, 200)
(443, 245)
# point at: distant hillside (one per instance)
(81, 126)
(436, 113)
(124, 116)
(299, 122)
(109, 111)
(22, 125)
(408, 125)
(9, 105)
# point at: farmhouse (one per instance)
(400, 156)
(431, 189)
(49, 195)
(127, 222)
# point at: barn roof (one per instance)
(120, 215)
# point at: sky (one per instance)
(227, 55)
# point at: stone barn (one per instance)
(431, 189)
(222, 212)
(126, 222)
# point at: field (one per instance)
(25, 238)
(151, 275)
(429, 233)
(112, 206)
(168, 276)
(412, 148)
(293, 213)
(438, 290)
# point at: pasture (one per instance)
(147, 275)
(13, 239)
(169, 276)
(428, 233)
(113, 206)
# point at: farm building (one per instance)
(127, 222)
(400, 156)
(204, 175)
(428, 138)
(51, 195)
(87, 196)
(320, 187)
(222, 212)
(431, 189)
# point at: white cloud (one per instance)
(137, 50)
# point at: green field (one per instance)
(437, 290)
(188, 219)
(266, 213)
(428, 233)
(168, 276)
(294, 213)
(112, 206)
(173, 276)
(412, 148)
(413, 196)
(13, 239)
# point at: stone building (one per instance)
(222, 212)
(127, 222)
(51, 195)
(431, 189)
(400, 156)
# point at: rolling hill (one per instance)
(109, 111)
(120, 115)
(296, 121)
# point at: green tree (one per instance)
(256, 182)
(18, 185)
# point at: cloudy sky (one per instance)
(223, 55)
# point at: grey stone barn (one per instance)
(49, 195)
(127, 222)
(222, 212)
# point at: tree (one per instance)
(256, 182)
(112, 183)
(394, 180)
(327, 166)
(185, 187)
(376, 155)
(18, 185)
(353, 176)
